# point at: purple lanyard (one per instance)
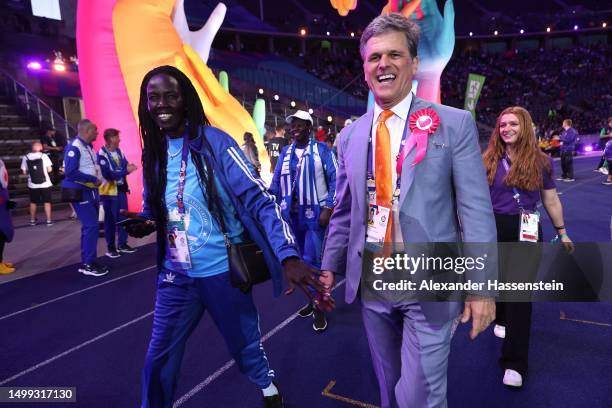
(517, 195)
(182, 176)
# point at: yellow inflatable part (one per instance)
(344, 6)
(145, 38)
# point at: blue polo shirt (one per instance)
(206, 243)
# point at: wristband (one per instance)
(560, 228)
(563, 235)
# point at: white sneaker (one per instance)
(513, 378)
(603, 170)
(499, 331)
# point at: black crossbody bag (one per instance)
(247, 264)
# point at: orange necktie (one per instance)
(382, 164)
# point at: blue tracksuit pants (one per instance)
(87, 212)
(112, 205)
(181, 302)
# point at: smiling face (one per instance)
(300, 130)
(509, 128)
(389, 68)
(165, 104)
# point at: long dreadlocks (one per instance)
(155, 151)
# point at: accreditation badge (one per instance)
(178, 245)
(378, 218)
(371, 183)
(528, 228)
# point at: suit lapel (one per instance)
(407, 169)
(358, 153)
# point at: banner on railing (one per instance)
(472, 92)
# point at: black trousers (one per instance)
(518, 263)
(567, 165)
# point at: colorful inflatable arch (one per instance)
(119, 41)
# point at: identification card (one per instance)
(528, 229)
(178, 244)
(371, 183)
(378, 218)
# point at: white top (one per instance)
(46, 164)
(299, 152)
(396, 125)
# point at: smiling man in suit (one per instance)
(440, 195)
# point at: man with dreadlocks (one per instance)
(198, 183)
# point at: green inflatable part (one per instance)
(224, 80)
(259, 116)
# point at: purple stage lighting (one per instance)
(34, 65)
(588, 148)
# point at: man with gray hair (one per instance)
(409, 174)
(80, 187)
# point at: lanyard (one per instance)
(111, 160)
(182, 176)
(517, 195)
(370, 174)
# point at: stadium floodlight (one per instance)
(352, 34)
(34, 65)
(548, 29)
(575, 27)
(471, 33)
(293, 104)
(276, 98)
(260, 91)
(59, 67)
(522, 31)
(495, 32)
(302, 31)
(310, 111)
(604, 25)
(330, 119)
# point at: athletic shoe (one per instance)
(273, 401)
(102, 267)
(306, 310)
(499, 331)
(568, 180)
(320, 323)
(50, 223)
(93, 270)
(603, 170)
(6, 268)
(32, 222)
(126, 249)
(113, 254)
(607, 183)
(513, 378)
(560, 178)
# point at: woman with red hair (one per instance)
(520, 176)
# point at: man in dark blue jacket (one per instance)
(82, 178)
(568, 146)
(200, 192)
(113, 192)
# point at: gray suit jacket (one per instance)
(444, 198)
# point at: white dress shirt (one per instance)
(395, 125)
